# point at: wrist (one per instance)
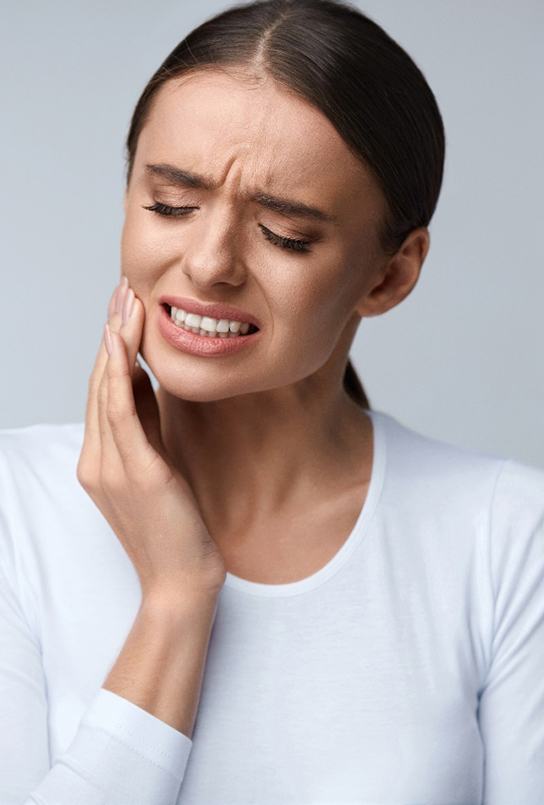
(188, 606)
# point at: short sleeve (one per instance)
(511, 705)
(120, 753)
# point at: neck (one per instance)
(253, 457)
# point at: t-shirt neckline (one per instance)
(377, 474)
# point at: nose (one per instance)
(212, 250)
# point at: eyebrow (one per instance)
(280, 204)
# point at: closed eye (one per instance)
(277, 240)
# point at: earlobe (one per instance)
(399, 276)
(371, 304)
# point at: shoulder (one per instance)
(459, 484)
(516, 522)
(519, 488)
(35, 462)
(40, 441)
(38, 465)
(43, 453)
(484, 509)
(434, 469)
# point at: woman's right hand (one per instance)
(125, 469)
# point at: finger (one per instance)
(144, 395)
(105, 454)
(90, 451)
(109, 460)
(132, 325)
(112, 469)
(136, 452)
(91, 416)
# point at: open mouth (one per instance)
(232, 333)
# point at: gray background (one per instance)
(459, 359)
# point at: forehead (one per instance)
(211, 122)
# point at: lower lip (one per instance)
(195, 344)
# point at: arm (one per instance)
(133, 741)
(511, 707)
(130, 747)
(161, 665)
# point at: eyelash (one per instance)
(277, 240)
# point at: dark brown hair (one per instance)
(346, 65)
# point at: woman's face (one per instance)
(247, 138)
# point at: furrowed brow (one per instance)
(279, 204)
(178, 176)
(294, 209)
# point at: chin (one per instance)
(198, 385)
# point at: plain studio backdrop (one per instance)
(459, 359)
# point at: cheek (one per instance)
(315, 296)
(142, 251)
(308, 316)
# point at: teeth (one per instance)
(205, 325)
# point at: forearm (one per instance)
(161, 665)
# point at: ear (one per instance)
(397, 277)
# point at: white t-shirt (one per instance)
(407, 670)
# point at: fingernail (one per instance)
(113, 301)
(107, 338)
(128, 305)
(121, 293)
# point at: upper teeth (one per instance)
(206, 323)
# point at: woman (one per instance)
(250, 586)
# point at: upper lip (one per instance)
(215, 311)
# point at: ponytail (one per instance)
(353, 386)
